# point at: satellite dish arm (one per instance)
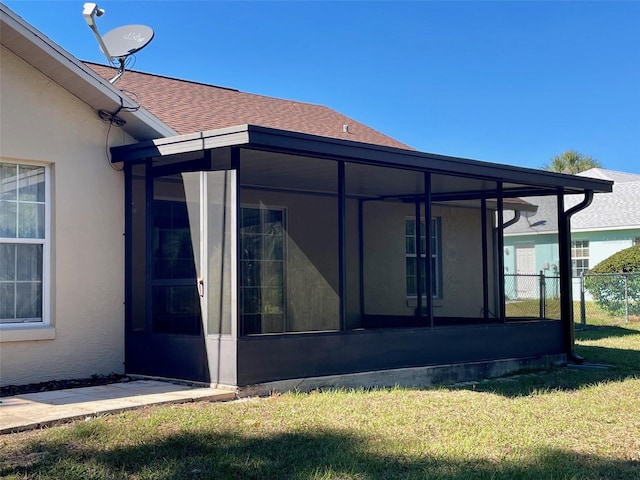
(103, 47)
(91, 10)
(120, 71)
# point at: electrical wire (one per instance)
(130, 62)
(112, 117)
(135, 97)
(106, 150)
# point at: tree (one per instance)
(615, 282)
(571, 162)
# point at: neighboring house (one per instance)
(266, 242)
(610, 224)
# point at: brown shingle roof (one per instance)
(190, 107)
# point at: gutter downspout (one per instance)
(515, 218)
(499, 259)
(566, 293)
(498, 242)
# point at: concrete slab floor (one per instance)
(36, 410)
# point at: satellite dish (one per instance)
(119, 43)
(126, 40)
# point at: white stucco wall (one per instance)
(461, 256)
(462, 291)
(41, 123)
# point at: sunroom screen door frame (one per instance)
(209, 201)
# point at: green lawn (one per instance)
(558, 424)
(594, 315)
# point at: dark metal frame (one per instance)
(564, 247)
(342, 247)
(485, 261)
(128, 252)
(526, 181)
(387, 348)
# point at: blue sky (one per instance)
(508, 82)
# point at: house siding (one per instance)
(604, 244)
(546, 252)
(44, 124)
(601, 246)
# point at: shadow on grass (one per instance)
(303, 455)
(593, 332)
(622, 364)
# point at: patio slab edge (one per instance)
(26, 423)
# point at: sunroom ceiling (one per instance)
(281, 171)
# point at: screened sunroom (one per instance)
(257, 255)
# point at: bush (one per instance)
(608, 290)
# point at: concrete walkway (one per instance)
(35, 410)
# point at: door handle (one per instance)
(201, 287)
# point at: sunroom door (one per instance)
(189, 279)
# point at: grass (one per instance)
(560, 424)
(531, 308)
(594, 315)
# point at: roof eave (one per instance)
(181, 144)
(284, 141)
(71, 74)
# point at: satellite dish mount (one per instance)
(119, 43)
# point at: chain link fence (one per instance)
(598, 299)
(607, 299)
(532, 296)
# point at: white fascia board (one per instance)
(180, 144)
(576, 230)
(531, 234)
(606, 229)
(70, 73)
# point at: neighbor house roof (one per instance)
(190, 107)
(617, 210)
(613, 175)
(39, 51)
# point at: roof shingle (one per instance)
(190, 107)
(616, 210)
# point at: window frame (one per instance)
(262, 208)
(580, 251)
(436, 256)
(46, 254)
